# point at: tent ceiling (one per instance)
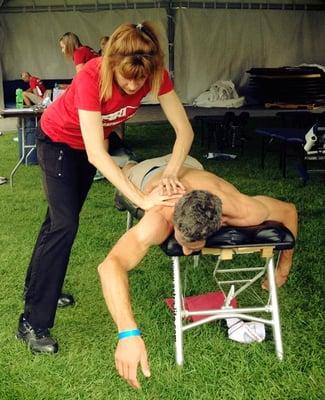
(15, 3)
(96, 5)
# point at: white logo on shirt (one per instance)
(125, 113)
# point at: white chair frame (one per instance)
(272, 307)
(245, 313)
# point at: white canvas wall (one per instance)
(209, 44)
(31, 39)
(222, 44)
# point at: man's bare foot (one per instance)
(280, 279)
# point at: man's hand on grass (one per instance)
(130, 352)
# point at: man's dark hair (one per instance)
(197, 215)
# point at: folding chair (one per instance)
(295, 138)
(264, 239)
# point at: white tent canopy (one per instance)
(208, 42)
(213, 45)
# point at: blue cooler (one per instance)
(30, 127)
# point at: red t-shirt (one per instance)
(60, 121)
(36, 83)
(83, 54)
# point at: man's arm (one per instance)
(243, 210)
(285, 213)
(258, 209)
(125, 255)
(280, 211)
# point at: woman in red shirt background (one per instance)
(72, 143)
(102, 43)
(73, 49)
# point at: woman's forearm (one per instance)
(96, 148)
(177, 117)
(104, 163)
(181, 149)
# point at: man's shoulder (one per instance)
(155, 226)
(158, 215)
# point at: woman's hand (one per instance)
(155, 198)
(170, 185)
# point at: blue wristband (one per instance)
(126, 334)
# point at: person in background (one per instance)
(72, 142)
(102, 42)
(73, 49)
(37, 90)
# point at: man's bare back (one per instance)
(238, 209)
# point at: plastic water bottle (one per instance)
(19, 98)
(56, 91)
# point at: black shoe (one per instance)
(38, 340)
(65, 300)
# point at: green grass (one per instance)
(215, 367)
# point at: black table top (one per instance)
(19, 112)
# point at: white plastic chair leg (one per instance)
(275, 309)
(178, 312)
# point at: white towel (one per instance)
(245, 332)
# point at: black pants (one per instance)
(67, 178)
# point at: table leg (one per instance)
(11, 179)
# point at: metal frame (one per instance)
(26, 149)
(245, 313)
(94, 6)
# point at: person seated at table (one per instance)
(73, 49)
(36, 92)
(209, 202)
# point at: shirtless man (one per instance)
(209, 202)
